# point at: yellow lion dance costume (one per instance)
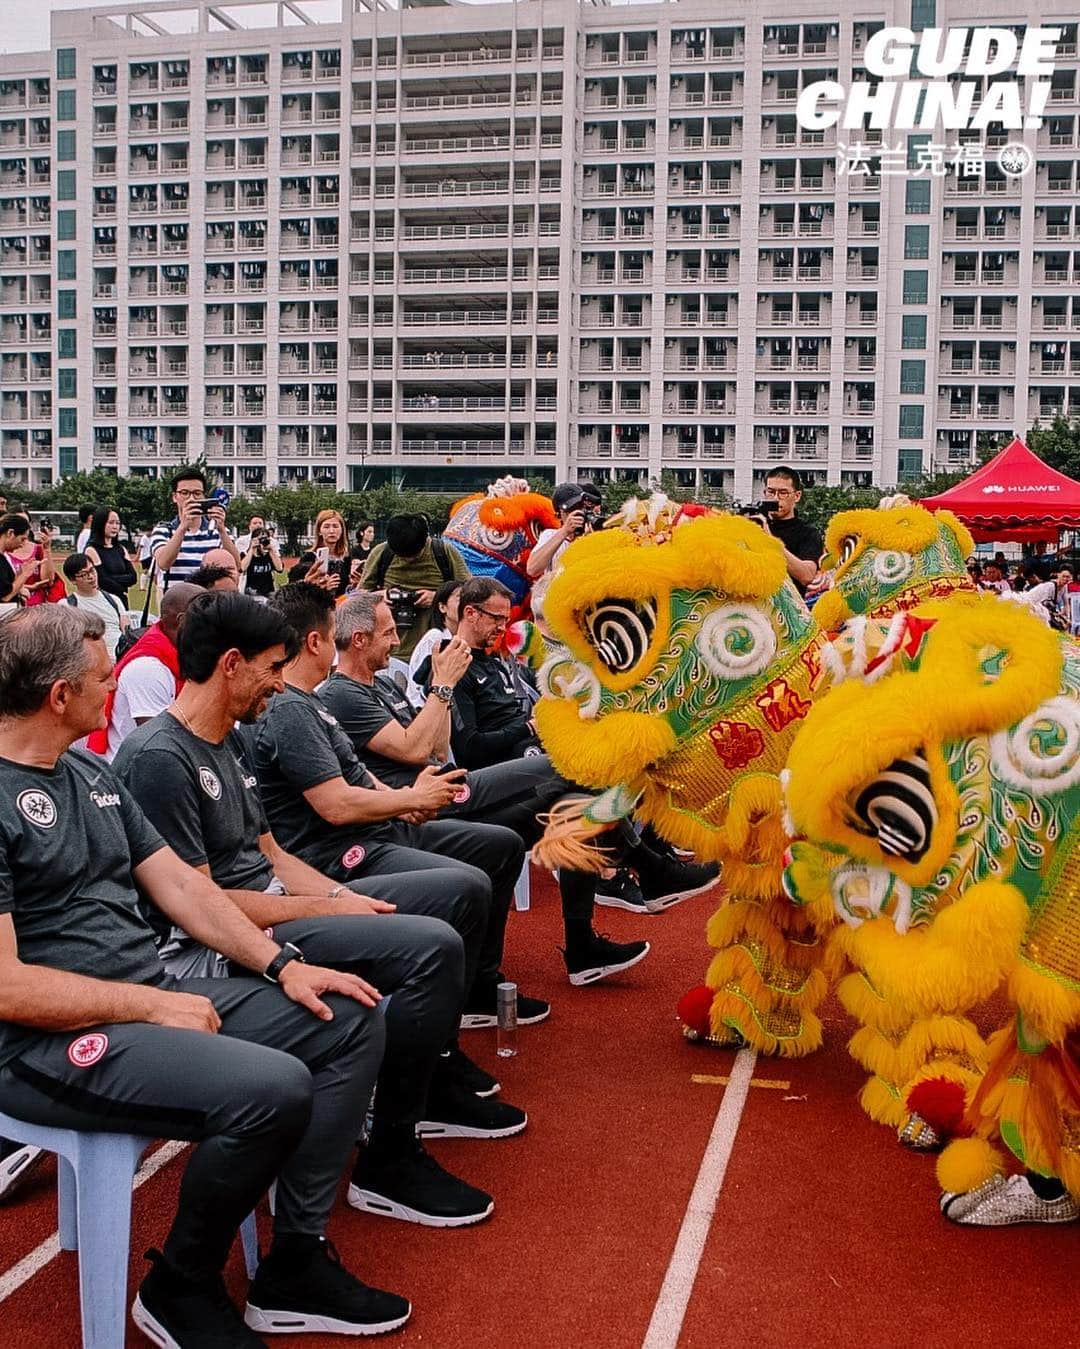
(938, 800)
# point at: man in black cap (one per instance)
(578, 505)
(410, 566)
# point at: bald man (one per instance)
(148, 676)
(219, 560)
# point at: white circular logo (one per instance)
(736, 641)
(1015, 159)
(890, 568)
(87, 1049)
(208, 781)
(354, 856)
(38, 808)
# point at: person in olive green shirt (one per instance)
(411, 560)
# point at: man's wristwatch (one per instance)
(444, 692)
(288, 952)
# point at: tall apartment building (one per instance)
(428, 244)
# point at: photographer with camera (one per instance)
(411, 566)
(179, 547)
(800, 541)
(260, 564)
(579, 505)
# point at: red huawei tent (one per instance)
(1014, 496)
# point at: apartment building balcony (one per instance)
(856, 448)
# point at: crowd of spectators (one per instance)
(257, 859)
(245, 882)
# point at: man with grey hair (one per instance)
(397, 743)
(268, 1076)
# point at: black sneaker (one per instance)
(601, 957)
(453, 1063)
(453, 1112)
(481, 1012)
(416, 1189)
(302, 1286)
(17, 1160)
(671, 882)
(175, 1312)
(621, 891)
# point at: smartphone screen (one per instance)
(322, 555)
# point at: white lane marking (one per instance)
(670, 1310)
(49, 1249)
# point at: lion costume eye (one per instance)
(848, 544)
(620, 630)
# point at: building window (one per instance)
(65, 63)
(65, 344)
(917, 196)
(912, 376)
(909, 462)
(65, 105)
(67, 422)
(67, 383)
(65, 185)
(65, 264)
(916, 143)
(913, 334)
(69, 459)
(923, 14)
(65, 145)
(915, 285)
(911, 421)
(916, 241)
(65, 224)
(65, 304)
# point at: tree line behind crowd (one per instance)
(143, 502)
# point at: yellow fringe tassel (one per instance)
(787, 1034)
(565, 841)
(883, 1103)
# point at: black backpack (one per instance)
(386, 557)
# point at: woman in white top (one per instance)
(446, 604)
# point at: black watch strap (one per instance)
(288, 952)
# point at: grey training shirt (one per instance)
(70, 837)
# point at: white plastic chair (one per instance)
(95, 1175)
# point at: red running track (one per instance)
(825, 1232)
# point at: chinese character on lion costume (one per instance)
(937, 796)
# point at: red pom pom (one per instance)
(941, 1103)
(693, 1009)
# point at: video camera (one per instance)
(760, 509)
(592, 509)
(403, 606)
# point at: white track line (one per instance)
(670, 1310)
(49, 1249)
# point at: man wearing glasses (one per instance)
(492, 722)
(81, 572)
(800, 541)
(179, 548)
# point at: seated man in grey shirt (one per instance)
(267, 1076)
(186, 768)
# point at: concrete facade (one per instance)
(435, 243)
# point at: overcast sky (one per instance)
(24, 25)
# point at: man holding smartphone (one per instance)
(179, 547)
